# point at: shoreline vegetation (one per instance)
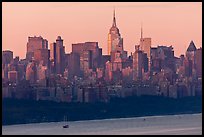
(16, 111)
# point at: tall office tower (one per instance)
(41, 56)
(198, 62)
(53, 51)
(53, 57)
(162, 57)
(73, 65)
(190, 53)
(155, 61)
(35, 43)
(137, 64)
(7, 57)
(60, 55)
(86, 60)
(167, 56)
(95, 54)
(115, 41)
(145, 45)
(90, 55)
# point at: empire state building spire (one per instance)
(114, 21)
(115, 41)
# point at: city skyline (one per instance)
(73, 58)
(125, 13)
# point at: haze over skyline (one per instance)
(168, 24)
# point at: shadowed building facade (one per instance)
(31, 72)
(90, 55)
(42, 56)
(137, 63)
(33, 44)
(7, 57)
(198, 61)
(57, 56)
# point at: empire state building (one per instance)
(115, 42)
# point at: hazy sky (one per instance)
(173, 24)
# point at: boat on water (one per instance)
(66, 126)
(66, 121)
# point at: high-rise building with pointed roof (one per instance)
(145, 46)
(190, 56)
(115, 41)
(191, 47)
(190, 52)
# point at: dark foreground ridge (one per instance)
(29, 111)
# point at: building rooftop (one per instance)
(191, 47)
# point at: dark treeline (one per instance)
(28, 111)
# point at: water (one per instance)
(187, 124)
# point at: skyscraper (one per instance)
(60, 53)
(35, 43)
(73, 65)
(42, 56)
(198, 62)
(137, 63)
(162, 57)
(115, 41)
(90, 54)
(53, 57)
(145, 45)
(7, 57)
(190, 53)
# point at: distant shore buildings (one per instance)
(85, 75)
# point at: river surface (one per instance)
(187, 124)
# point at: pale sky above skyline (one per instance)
(174, 23)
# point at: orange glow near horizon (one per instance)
(166, 23)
